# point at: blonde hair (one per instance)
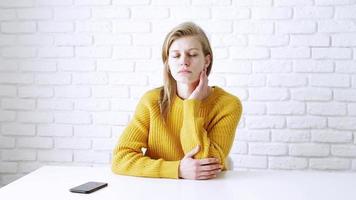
(169, 88)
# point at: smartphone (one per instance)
(88, 187)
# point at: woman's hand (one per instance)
(202, 90)
(191, 168)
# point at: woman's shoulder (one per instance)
(152, 95)
(226, 98)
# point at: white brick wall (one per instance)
(72, 71)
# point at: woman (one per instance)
(186, 127)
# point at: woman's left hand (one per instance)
(202, 90)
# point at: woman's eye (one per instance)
(193, 55)
(175, 56)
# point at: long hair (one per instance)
(169, 88)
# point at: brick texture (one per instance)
(72, 72)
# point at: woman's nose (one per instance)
(184, 60)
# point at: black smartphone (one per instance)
(88, 187)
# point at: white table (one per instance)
(53, 182)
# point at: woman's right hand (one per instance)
(202, 169)
(202, 90)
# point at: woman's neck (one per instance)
(185, 90)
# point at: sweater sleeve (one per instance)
(216, 142)
(128, 158)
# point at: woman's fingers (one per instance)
(199, 169)
(207, 161)
(211, 173)
(201, 81)
(210, 167)
(208, 175)
(202, 89)
(206, 80)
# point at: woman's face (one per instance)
(186, 59)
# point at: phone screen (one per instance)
(88, 187)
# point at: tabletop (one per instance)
(54, 182)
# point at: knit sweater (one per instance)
(152, 147)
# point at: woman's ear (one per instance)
(207, 60)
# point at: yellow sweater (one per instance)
(210, 123)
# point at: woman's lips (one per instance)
(185, 71)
